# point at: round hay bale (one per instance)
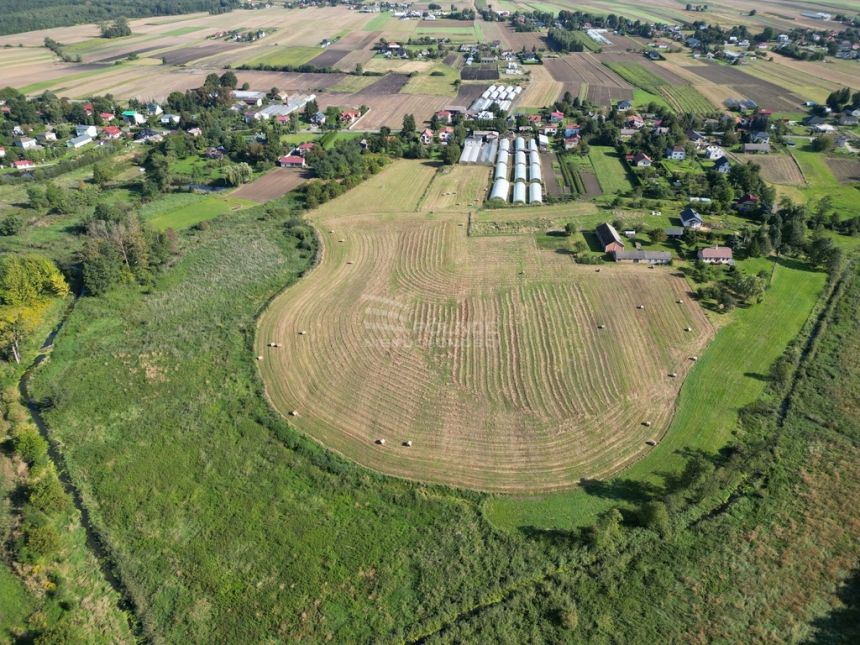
(408, 443)
(380, 442)
(647, 424)
(673, 374)
(601, 326)
(679, 301)
(688, 329)
(259, 358)
(640, 306)
(597, 270)
(651, 442)
(302, 332)
(341, 240)
(694, 358)
(294, 413)
(349, 261)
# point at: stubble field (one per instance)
(485, 353)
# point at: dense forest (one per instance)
(20, 15)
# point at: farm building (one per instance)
(291, 161)
(609, 239)
(501, 171)
(501, 190)
(535, 173)
(519, 193)
(79, 142)
(535, 193)
(690, 218)
(639, 256)
(88, 130)
(504, 145)
(520, 172)
(716, 255)
(756, 148)
(111, 132)
(23, 164)
(26, 143)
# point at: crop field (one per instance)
(845, 170)
(584, 70)
(775, 168)
(283, 56)
(470, 348)
(438, 81)
(456, 188)
(809, 80)
(681, 96)
(274, 184)
(760, 90)
(542, 89)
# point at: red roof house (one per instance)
(111, 132)
(23, 163)
(291, 161)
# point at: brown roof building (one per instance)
(610, 241)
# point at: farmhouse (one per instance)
(609, 239)
(153, 109)
(348, 117)
(691, 218)
(291, 161)
(713, 152)
(676, 153)
(23, 164)
(169, 119)
(639, 256)
(571, 142)
(26, 143)
(2, 152)
(716, 255)
(427, 136)
(133, 117)
(624, 105)
(722, 165)
(106, 116)
(304, 148)
(47, 136)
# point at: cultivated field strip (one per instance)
(485, 352)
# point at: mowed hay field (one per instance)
(485, 352)
(775, 168)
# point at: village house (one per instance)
(88, 130)
(446, 134)
(609, 239)
(747, 203)
(304, 148)
(153, 109)
(676, 153)
(106, 116)
(79, 141)
(23, 164)
(2, 152)
(572, 129)
(444, 116)
(318, 118)
(550, 130)
(722, 165)
(348, 117)
(291, 161)
(716, 255)
(623, 106)
(111, 132)
(690, 218)
(634, 121)
(427, 136)
(714, 152)
(194, 132)
(674, 231)
(47, 136)
(571, 142)
(133, 117)
(556, 117)
(26, 143)
(169, 119)
(641, 160)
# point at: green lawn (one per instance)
(822, 182)
(609, 169)
(729, 375)
(641, 98)
(426, 83)
(181, 210)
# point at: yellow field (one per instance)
(484, 352)
(542, 89)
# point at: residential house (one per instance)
(194, 132)
(79, 141)
(304, 148)
(690, 218)
(153, 109)
(318, 118)
(348, 117)
(147, 135)
(638, 256)
(634, 121)
(748, 203)
(427, 136)
(625, 133)
(27, 143)
(23, 164)
(133, 117)
(89, 130)
(623, 106)
(47, 136)
(543, 142)
(106, 116)
(169, 119)
(676, 153)
(291, 161)
(722, 165)
(713, 152)
(88, 109)
(556, 117)
(609, 239)
(571, 142)
(759, 137)
(641, 160)
(716, 255)
(446, 134)
(111, 132)
(214, 153)
(756, 148)
(848, 119)
(572, 129)
(444, 116)
(550, 130)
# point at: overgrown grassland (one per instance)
(609, 169)
(821, 182)
(226, 524)
(731, 374)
